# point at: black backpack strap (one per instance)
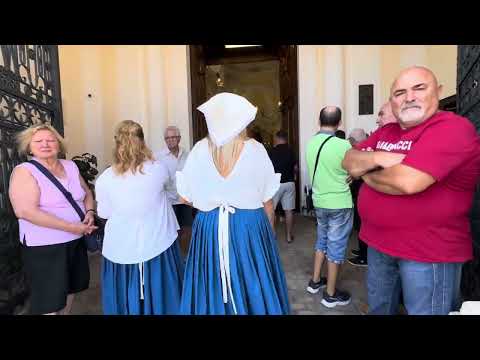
(60, 187)
(318, 157)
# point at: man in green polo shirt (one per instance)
(333, 205)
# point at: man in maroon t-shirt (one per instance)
(420, 175)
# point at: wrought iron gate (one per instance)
(29, 94)
(468, 105)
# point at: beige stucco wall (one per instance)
(441, 59)
(363, 67)
(147, 84)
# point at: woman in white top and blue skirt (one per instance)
(141, 269)
(233, 266)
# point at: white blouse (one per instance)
(141, 222)
(251, 182)
(173, 164)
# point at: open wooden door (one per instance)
(198, 91)
(203, 55)
(289, 102)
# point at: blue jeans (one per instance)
(333, 230)
(428, 288)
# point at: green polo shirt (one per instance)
(330, 190)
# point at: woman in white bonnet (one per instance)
(233, 266)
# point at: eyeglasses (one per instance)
(172, 137)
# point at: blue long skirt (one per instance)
(258, 282)
(162, 285)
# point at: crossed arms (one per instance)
(384, 172)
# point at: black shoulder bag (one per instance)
(309, 198)
(93, 241)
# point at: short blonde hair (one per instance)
(130, 150)
(24, 138)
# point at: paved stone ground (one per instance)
(297, 260)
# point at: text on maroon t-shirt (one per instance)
(433, 225)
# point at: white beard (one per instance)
(411, 115)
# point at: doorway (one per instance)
(264, 74)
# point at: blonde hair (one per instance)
(225, 156)
(24, 138)
(130, 150)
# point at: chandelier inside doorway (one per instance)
(219, 81)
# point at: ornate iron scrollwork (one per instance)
(468, 73)
(29, 85)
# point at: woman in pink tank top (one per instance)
(54, 254)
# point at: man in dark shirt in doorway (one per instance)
(360, 256)
(285, 162)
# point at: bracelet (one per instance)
(90, 210)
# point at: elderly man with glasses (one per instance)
(174, 157)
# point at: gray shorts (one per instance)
(285, 195)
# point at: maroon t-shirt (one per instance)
(433, 225)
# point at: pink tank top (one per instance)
(54, 202)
